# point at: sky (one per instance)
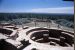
(37, 6)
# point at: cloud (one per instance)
(68, 10)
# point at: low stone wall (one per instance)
(36, 29)
(12, 28)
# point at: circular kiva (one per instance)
(52, 37)
(9, 33)
(5, 31)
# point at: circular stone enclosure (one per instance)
(53, 37)
(5, 31)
